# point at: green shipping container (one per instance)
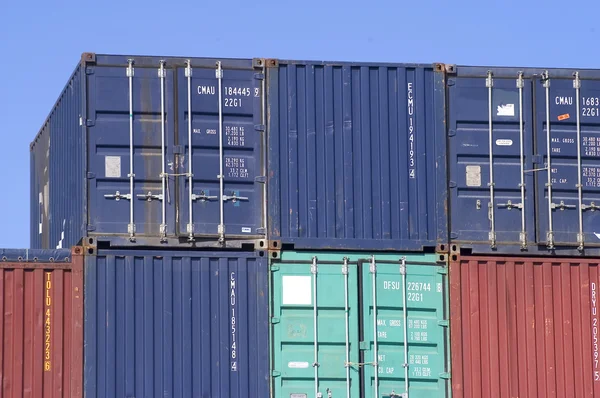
(327, 342)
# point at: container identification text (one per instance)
(232, 297)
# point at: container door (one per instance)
(491, 176)
(404, 329)
(222, 173)
(130, 110)
(315, 329)
(569, 194)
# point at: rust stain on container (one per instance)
(41, 331)
(524, 327)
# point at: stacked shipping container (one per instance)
(523, 164)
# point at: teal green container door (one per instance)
(332, 344)
(387, 283)
(315, 336)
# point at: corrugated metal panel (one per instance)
(357, 155)
(177, 324)
(524, 327)
(521, 222)
(81, 158)
(57, 172)
(41, 331)
(349, 341)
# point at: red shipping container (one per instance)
(41, 331)
(524, 327)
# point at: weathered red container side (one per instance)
(525, 327)
(41, 331)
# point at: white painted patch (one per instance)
(298, 365)
(597, 235)
(246, 230)
(62, 236)
(112, 166)
(504, 142)
(473, 176)
(41, 202)
(297, 290)
(506, 110)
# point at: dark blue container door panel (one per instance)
(352, 156)
(242, 152)
(564, 161)
(109, 145)
(469, 160)
(177, 325)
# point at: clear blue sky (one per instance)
(41, 41)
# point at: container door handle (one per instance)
(509, 205)
(591, 207)
(234, 198)
(118, 196)
(149, 197)
(203, 197)
(562, 206)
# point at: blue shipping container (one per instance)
(524, 160)
(357, 155)
(176, 324)
(36, 255)
(113, 160)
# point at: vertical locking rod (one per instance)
(163, 175)
(489, 82)
(550, 234)
(373, 270)
(577, 87)
(221, 228)
(131, 175)
(523, 234)
(314, 271)
(190, 175)
(347, 314)
(405, 316)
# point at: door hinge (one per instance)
(444, 323)
(261, 230)
(453, 235)
(90, 227)
(259, 127)
(261, 179)
(445, 375)
(537, 159)
(274, 268)
(259, 76)
(451, 133)
(89, 70)
(275, 373)
(442, 270)
(452, 184)
(364, 345)
(90, 122)
(177, 149)
(91, 176)
(451, 82)
(275, 320)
